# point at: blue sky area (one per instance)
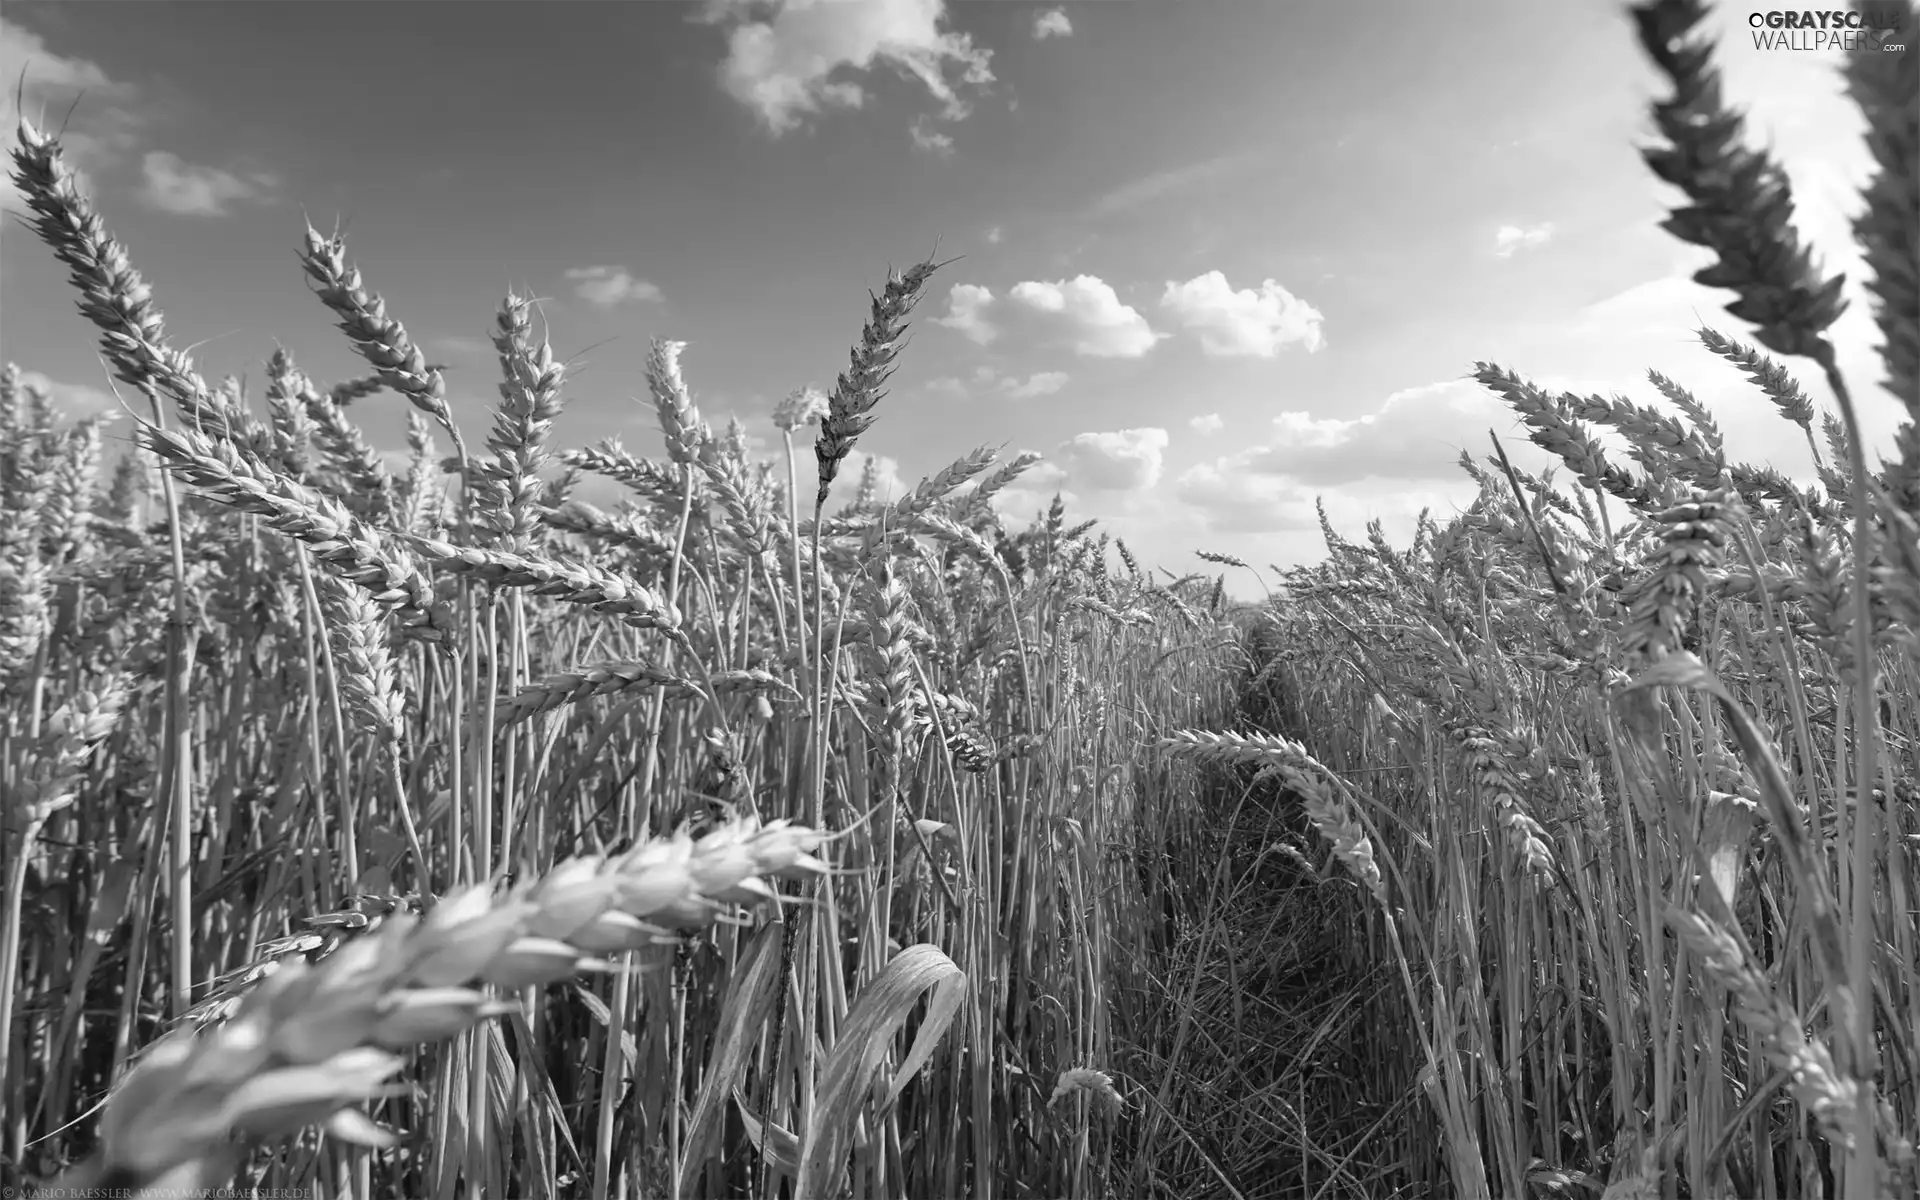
(1220, 258)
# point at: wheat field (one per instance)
(437, 833)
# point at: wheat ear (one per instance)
(309, 1042)
(858, 390)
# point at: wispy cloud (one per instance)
(928, 139)
(173, 185)
(986, 382)
(460, 344)
(606, 287)
(106, 129)
(1509, 240)
(51, 73)
(1207, 423)
(1041, 383)
(1140, 192)
(47, 84)
(72, 400)
(1415, 434)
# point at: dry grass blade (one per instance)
(743, 1014)
(854, 1061)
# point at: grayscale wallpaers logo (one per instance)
(1872, 28)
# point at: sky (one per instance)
(1216, 259)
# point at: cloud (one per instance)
(1042, 476)
(49, 73)
(1032, 490)
(397, 461)
(1084, 313)
(1663, 306)
(175, 186)
(846, 485)
(49, 83)
(1509, 240)
(72, 401)
(1022, 504)
(1044, 383)
(1245, 322)
(1051, 23)
(605, 287)
(953, 385)
(1797, 107)
(967, 305)
(1417, 433)
(994, 234)
(758, 444)
(1089, 316)
(1121, 460)
(1209, 423)
(928, 139)
(1231, 499)
(783, 63)
(987, 382)
(1143, 191)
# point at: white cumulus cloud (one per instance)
(1207, 423)
(791, 61)
(967, 305)
(1120, 460)
(1084, 313)
(1051, 23)
(1509, 240)
(605, 286)
(1244, 322)
(1088, 315)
